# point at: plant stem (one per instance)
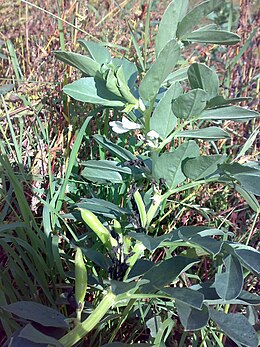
(252, 228)
(170, 137)
(157, 200)
(82, 329)
(147, 115)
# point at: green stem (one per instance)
(252, 228)
(170, 137)
(187, 186)
(82, 329)
(147, 115)
(157, 200)
(122, 319)
(226, 309)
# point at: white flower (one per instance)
(141, 105)
(124, 126)
(153, 135)
(152, 139)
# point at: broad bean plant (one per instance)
(158, 113)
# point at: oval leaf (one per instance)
(191, 297)
(163, 121)
(165, 272)
(235, 113)
(93, 91)
(190, 104)
(196, 15)
(210, 134)
(169, 165)
(155, 76)
(219, 37)
(85, 64)
(38, 313)
(203, 166)
(97, 52)
(173, 14)
(229, 284)
(190, 317)
(235, 326)
(202, 77)
(130, 70)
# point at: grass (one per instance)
(43, 133)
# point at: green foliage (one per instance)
(134, 266)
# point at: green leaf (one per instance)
(235, 326)
(249, 256)
(235, 113)
(31, 334)
(130, 70)
(104, 171)
(211, 297)
(81, 62)
(96, 51)
(247, 298)
(38, 313)
(120, 152)
(219, 100)
(219, 37)
(101, 176)
(173, 14)
(190, 317)
(109, 165)
(196, 15)
(163, 121)
(102, 207)
(154, 324)
(169, 165)
(251, 259)
(155, 76)
(184, 233)
(251, 182)
(166, 272)
(186, 295)
(176, 76)
(229, 284)
(148, 241)
(190, 104)
(249, 197)
(139, 268)
(248, 177)
(210, 134)
(202, 166)
(209, 244)
(93, 91)
(120, 287)
(202, 77)
(98, 258)
(248, 144)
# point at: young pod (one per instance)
(94, 223)
(81, 279)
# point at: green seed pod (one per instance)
(141, 208)
(81, 279)
(94, 223)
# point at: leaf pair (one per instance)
(109, 80)
(176, 23)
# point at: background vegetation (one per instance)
(43, 131)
